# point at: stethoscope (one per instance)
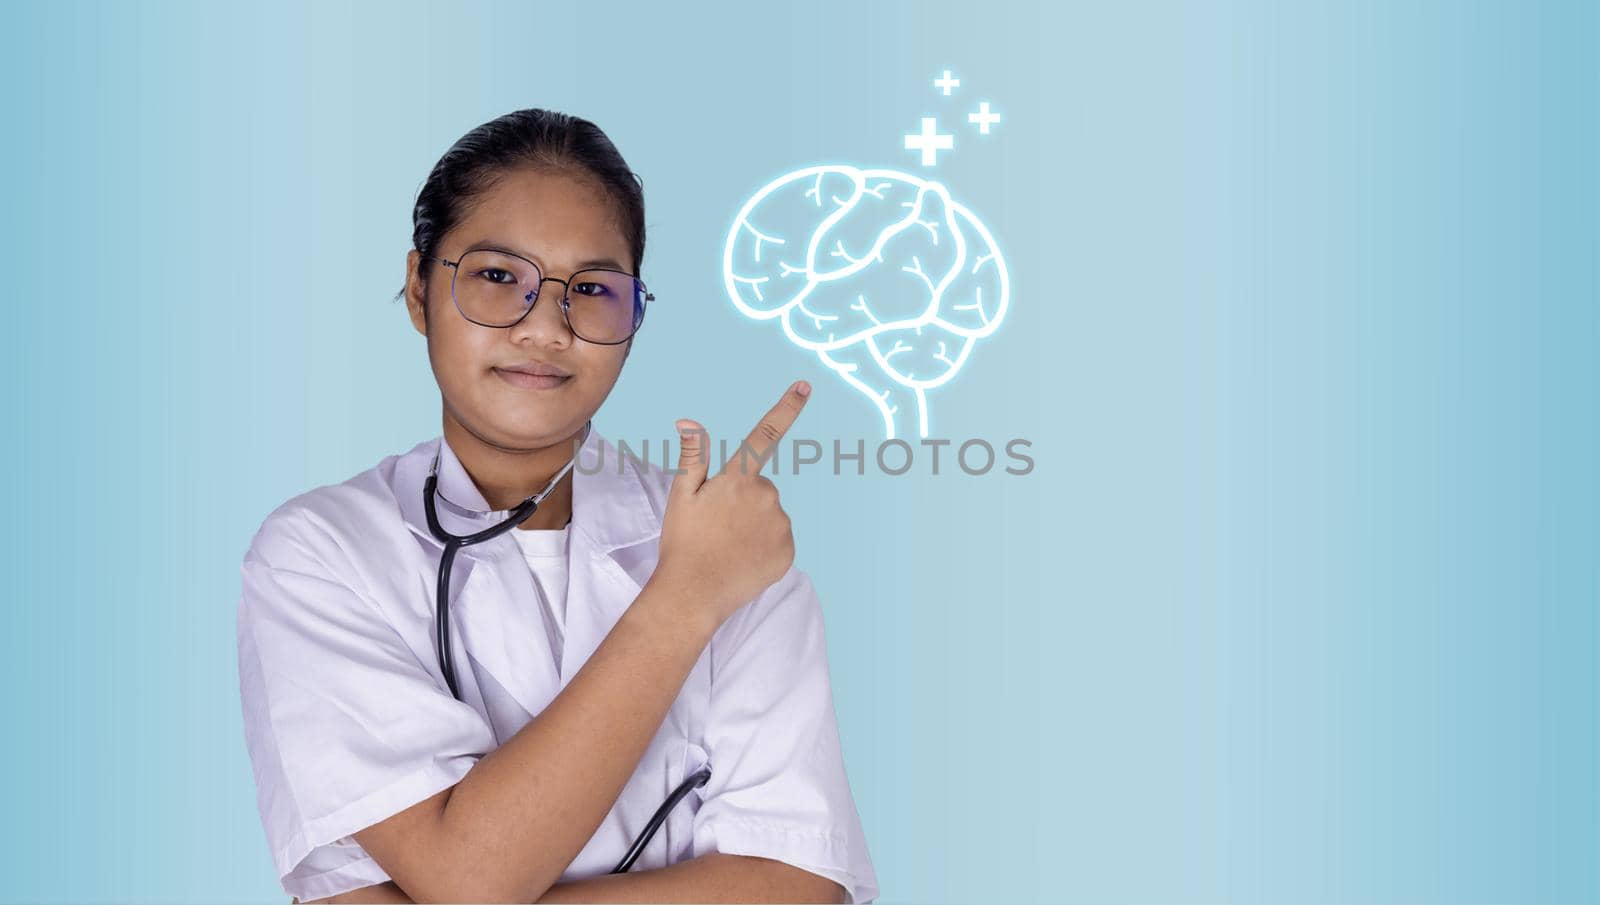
(441, 621)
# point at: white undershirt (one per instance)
(545, 550)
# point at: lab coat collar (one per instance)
(609, 504)
(614, 526)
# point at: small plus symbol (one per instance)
(930, 141)
(983, 118)
(946, 83)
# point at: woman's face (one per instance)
(563, 224)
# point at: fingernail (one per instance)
(803, 388)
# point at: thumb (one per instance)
(692, 445)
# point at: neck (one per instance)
(507, 476)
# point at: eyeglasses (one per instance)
(498, 289)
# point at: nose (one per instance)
(546, 324)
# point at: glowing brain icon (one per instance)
(881, 273)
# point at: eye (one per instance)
(594, 290)
(493, 274)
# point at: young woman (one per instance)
(481, 669)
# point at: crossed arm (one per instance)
(471, 841)
(714, 877)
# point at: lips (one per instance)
(537, 369)
(533, 376)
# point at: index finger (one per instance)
(770, 429)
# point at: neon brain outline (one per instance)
(881, 273)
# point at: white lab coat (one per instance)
(348, 720)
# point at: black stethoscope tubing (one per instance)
(441, 622)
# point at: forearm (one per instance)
(516, 820)
(712, 877)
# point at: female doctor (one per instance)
(643, 627)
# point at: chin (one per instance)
(540, 429)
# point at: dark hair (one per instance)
(533, 138)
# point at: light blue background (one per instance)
(1297, 605)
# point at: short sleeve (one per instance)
(778, 787)
(344, 725)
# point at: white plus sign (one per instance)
(946, 83)
(930, 141)
(983, 118)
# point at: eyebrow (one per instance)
(495, 246)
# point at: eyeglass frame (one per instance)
(566, 286)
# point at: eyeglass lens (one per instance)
(496, 289)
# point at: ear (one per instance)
(416, 292)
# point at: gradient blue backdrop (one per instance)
(1297, 605)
